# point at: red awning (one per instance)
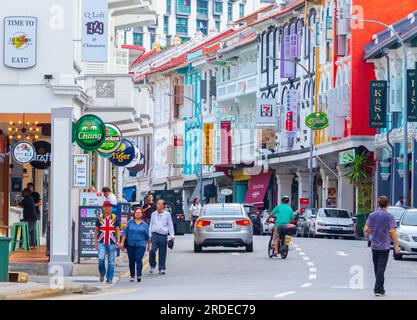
(257, 188)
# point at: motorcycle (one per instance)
(285, 240)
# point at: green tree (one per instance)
(359, 172)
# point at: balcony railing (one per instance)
(183, 9)
(182, 29)
(203, 12)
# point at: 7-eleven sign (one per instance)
(266, 113)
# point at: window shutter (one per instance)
(213, 88)
(289, 69)
(203, 89)
(188, 105)
(341, 45)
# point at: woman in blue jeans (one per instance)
(137, 235)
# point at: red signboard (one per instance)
(226, 142)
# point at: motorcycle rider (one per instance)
(283, 214)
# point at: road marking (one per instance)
(302, 253)
(284, 294)
(313, 270)
(306, 285)
(235, 254)
(295, 245)
(298, 249)
(310, 264)
(342, 253)
(306, 258)
(312, 277)
(145, 266)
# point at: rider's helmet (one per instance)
(285, 199)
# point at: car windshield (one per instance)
(223, 211)
(250, 209)
(311, 212)
(397, 212)
(334, 213)
(410, 218)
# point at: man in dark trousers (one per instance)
(36, 198)
(29, 216)
(148, 208)
(160, 227)
(380, 225)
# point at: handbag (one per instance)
(171, 244)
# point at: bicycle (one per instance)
(285, 240)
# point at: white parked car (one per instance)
(267, 228)
(332, 222)
(407, 234)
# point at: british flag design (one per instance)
(107, 230)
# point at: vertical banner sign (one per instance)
(81, 171)
(411, 95)
(208, 144)
(20, 42)
(378, 104)
(225, 142)
(178, 151)
(95, 31)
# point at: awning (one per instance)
(176, 184)
(162, 186)
(196, 193)
(190, 184)
(257, 188)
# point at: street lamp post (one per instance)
(200, 175)
(404, 100)
(310, 161)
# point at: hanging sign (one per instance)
(20, 42)
(412, 95)
(208, 143)
(140, 166)
(124, 155)
(378, 104)
(178, 152)
(23, 152)
(317, 121)
(42, 159)
(266, 112)
(90, 132)
(112, 141)
(81, 171)
(94, 36)
(136, 158)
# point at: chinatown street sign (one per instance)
(90, 132)
(124, 155)
(378, 104)
(112, 142)
(317, 121)
(42, 159)
(23, 152)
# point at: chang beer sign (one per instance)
(378, 104)
(112, 142)
(317, 121)
(90, 132)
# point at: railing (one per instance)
(202, 12)
(182, 29)
(183, 9)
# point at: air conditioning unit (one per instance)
(343, 27)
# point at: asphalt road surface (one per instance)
(324, 269)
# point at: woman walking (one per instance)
(137, 235)
(195, 210)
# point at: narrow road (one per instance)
(314, 269)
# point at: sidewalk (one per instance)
(84, 280)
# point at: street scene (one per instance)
(208, 150)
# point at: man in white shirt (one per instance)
(109, 196)
(159, 228)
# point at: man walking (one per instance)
(380, 225)
(160, 226)
(106, 236)
(29, 216)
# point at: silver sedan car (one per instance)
(223, 225)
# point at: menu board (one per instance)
(87, 223)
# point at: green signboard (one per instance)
(378, 104)
(112, 142)
(346, 157)
(90, 132)
(317, 121)
(411, 95)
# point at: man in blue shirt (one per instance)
(380, 225)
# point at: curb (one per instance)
(48, 293)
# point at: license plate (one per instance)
(335, 228)
(223, 226)
(288, 240)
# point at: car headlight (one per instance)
(404, 237)
(350, 225)
(321, 224)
